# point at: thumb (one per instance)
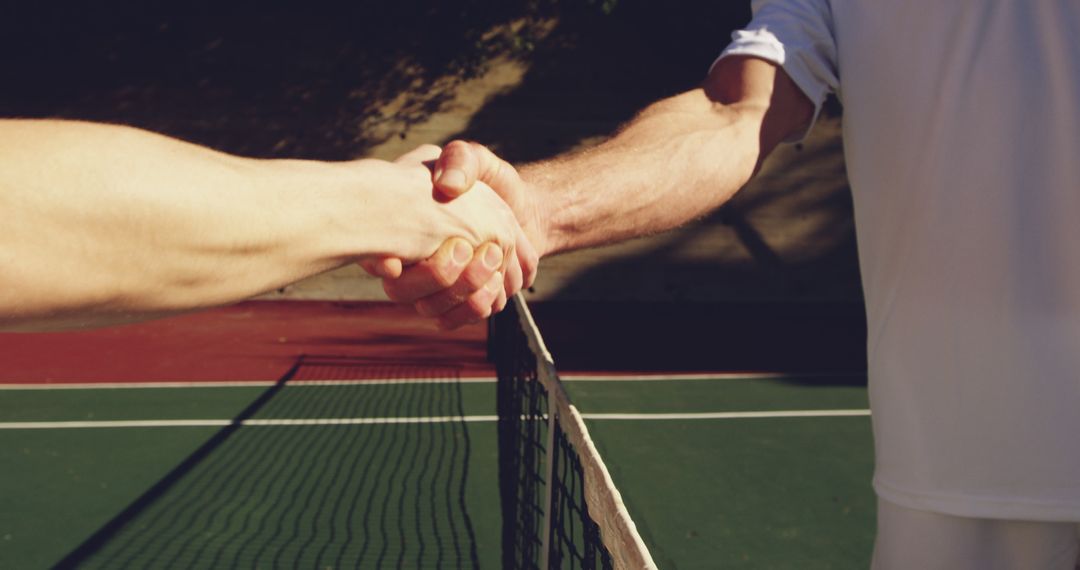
(382, 267)
(462, 163)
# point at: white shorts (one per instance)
(909, 538)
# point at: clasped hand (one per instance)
(469, 277)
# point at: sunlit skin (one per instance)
(108, 224)
(679, 159)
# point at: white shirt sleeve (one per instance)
(798, 36)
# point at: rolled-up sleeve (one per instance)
(797, 35)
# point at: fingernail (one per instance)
(495, 283)
(462, 253)
(453, 178)
(492, 257)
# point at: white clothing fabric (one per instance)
(962, 137)
(945, 542)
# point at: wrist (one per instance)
(319, 206)
(385, 209)
(544, 225)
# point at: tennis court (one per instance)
(318, 435)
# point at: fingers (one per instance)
(448, 286)
(476, 276)
(477, 299)
(500, 301)
(477, 307)
(462, 164)
(432, 275)
(465, 303)
(382, 267)
(513, 281)
(456, 287)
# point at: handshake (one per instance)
(472, 235)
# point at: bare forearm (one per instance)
(108, 224)
(678, 160)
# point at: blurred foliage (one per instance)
(314, 80)
(606, 6)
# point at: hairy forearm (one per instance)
(108, 224)
(678, 160)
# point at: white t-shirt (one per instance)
(962, 138)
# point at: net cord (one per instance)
(603, 499)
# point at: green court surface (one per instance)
(763, 491)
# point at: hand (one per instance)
(462, 165)
(456, 286)
(412, 219)
(422, 222)
(453, 290)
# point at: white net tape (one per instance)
(605, 504)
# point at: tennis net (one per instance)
(560, 508)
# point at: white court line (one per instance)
(390, 381)
(704, 376)
(731, 415)
(114, 424)
(420, 420)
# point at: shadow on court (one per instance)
(321, 495)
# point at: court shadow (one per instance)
(92, 545)
(322, 494)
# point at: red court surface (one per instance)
(262, 340)
(253, 341)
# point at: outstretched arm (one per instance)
(679, 159)
(107, 224)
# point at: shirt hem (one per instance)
(980, 506)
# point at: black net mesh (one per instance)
(531, 505)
